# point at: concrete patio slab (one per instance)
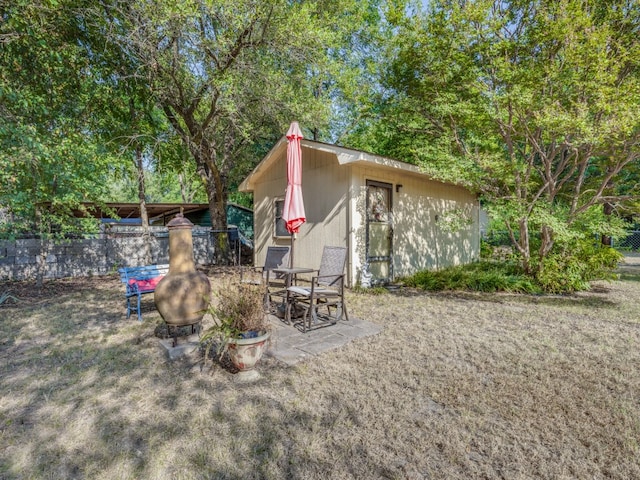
(290, 345)
(184, 346)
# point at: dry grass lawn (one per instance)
(456, 386)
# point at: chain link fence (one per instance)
(630, 243)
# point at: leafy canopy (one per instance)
(534, 104)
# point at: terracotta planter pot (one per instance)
(246, 352)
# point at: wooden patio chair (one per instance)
(326, 291)
(274, 283)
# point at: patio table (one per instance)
(291, 278)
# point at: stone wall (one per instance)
(19, 259)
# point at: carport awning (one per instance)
(132, 210)
(154, 210)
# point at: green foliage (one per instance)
(497, 247)
(532, 105)
(238, 309)
(42, 193)
(242, 199)
(571, 268)
(49, 162)
(95, 86)
(486, 250)
(482, 276)
(229, 76)
(568, 270)
(577, 257)
(5, 297)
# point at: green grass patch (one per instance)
(482, 276)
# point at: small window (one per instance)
(280, 227)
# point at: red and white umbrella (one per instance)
(293, 213)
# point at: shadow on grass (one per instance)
(87, 393)
(631, 277)
(84, 393)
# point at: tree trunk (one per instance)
(218, 212)
(183, 189)
(546, 244)
(144, 217)
(205, 155)
(608, 210)
(523, 245)
(41, 260)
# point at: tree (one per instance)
(48, 164)
(224, 73)
(532, 103)
(129, 124)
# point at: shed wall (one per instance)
(335, 204)
(419, 241)
(325, 191)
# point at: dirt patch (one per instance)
(28, 290)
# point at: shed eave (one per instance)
(345, 156)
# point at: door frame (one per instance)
(389, 258)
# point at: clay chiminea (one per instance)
(183, 294)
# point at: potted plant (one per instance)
(241, 329)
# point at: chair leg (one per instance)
(343, 307)
(128, 307)
(314, 314)
(305, 319)
(344, 311)
(310, 317)
(338, 313)
(139, 314)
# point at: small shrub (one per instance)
(481, 276)
(565, 270)
(486, 250)
(570, 269)
(5, 297)
(489, 252)
(241, 308)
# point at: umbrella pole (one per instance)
(293, 241)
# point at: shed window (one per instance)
(280, 227)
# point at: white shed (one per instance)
(394, 219)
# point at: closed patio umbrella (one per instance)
(293, 213)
